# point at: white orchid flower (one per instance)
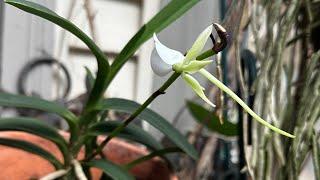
(165, 60)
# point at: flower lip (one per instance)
(169, 56)
(158, 66)
(163, 58)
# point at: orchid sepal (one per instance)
(195, 66)
(198, 45)
(196, 87)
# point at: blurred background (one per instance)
(26, 39)
(40, 59)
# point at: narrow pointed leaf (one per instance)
(31, 148)
(19, 101)
(103, 65)
(152, 118)
(131, 132)
(114, 171)
(171, 12)
(36, 127)
(211, 121)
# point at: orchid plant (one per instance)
(91, 122)
(165, 60)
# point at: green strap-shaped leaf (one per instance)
(114, 171)
(211, 121)
(171, 12)
(12, 100)
(36, 127)
(103, 65)
(31, 148)
(153, 118)
(131, 132)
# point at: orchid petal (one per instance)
(158, 65)
(195, 66)
(198, 45)
(168, 55)
(224, 88)
(197, 88)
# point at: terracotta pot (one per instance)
(19, 165)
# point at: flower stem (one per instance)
(158, 153)
(224, 88)
(115, 132)
(160, 91)
(206, 54)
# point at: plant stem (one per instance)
(215, 81)
(151, 155)
(115, 132)
(160, 91)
